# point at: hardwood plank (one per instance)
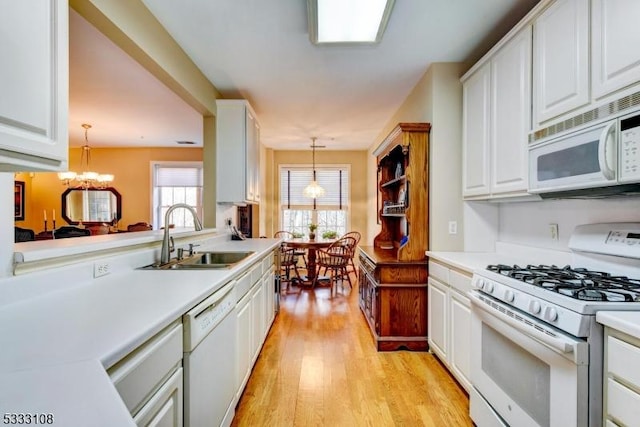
(319, 367)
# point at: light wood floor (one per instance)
(319, 367)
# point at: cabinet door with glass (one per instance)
(34, 85)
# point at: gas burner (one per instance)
(578, 283)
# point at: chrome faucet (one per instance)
(165, 253)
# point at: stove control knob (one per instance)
(488, 287)
(509, 295)
(534, 307)
(551, 314)
(480, 284)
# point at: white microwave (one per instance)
(597, 161)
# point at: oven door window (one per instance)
(532, 376)
(527, 382)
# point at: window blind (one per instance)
(335, 182)
(169, 176)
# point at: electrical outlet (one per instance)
(101, 269)
(553, 232)
(453, 227)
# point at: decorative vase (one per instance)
(312, 236)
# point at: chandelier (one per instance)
(313, 190)
(86, 179)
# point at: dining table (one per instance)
(311, 246)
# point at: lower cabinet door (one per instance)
(164, 409)
(257, 319)
(460, 343)
(244, 340)
(437, 318)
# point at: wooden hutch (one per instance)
(393, 272)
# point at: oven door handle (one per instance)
(556, 344)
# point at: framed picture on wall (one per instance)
(19, 200)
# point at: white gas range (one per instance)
(540, 349)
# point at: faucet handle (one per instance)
(172, 246)
(191, 246)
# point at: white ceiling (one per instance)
(259, 50)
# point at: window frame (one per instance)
(156, 208)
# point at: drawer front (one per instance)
(143, 371)
(623, 404)
(366, 264)
(439, 272)
(267, 263)
(256, 272)
(243, 284)
(460, 282)
(623, 361)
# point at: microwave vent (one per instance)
(606, 110)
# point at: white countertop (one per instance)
(504, 254)
(624, 321)
(55, 347)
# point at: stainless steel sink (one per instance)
(211, 260)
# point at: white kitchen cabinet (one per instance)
(164, 409)
(460, 333)
(34, 85)
(561, 59)
(450, 322)
(475, 128)
(257, 316)
(496, 121)
(244, 340)
(255, 313)
(511, 115)
(615, 38)
(237, 152)
(149, 379)
(437, 317)
(621, 379)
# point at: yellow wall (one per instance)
(357, 160)
(132, 170)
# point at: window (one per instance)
(176, 182)
(330, 212)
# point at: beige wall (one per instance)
(436, 99)
(132, 170)
(357, 160)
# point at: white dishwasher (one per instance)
(210, 360)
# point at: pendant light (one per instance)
(86, 179)
(313, 190)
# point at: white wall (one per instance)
(527, 223)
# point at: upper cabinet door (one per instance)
(511, 114)
(475, 133)
(561, 59)
(34, 85)
(615, 41)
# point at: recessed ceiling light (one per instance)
(348, 21)
(185, 142)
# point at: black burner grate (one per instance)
(578, 283)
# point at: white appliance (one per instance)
(599, 160)
(210, 360)
(540, 350)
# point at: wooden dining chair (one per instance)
(288, 265)
(356, 235)
(299, 252)
(334, 260)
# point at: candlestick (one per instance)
(54, 224)
(45, 215)
(45, 224)
(54, 214)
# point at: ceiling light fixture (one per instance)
(313, 190)
(86, 179)
(347, 21)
